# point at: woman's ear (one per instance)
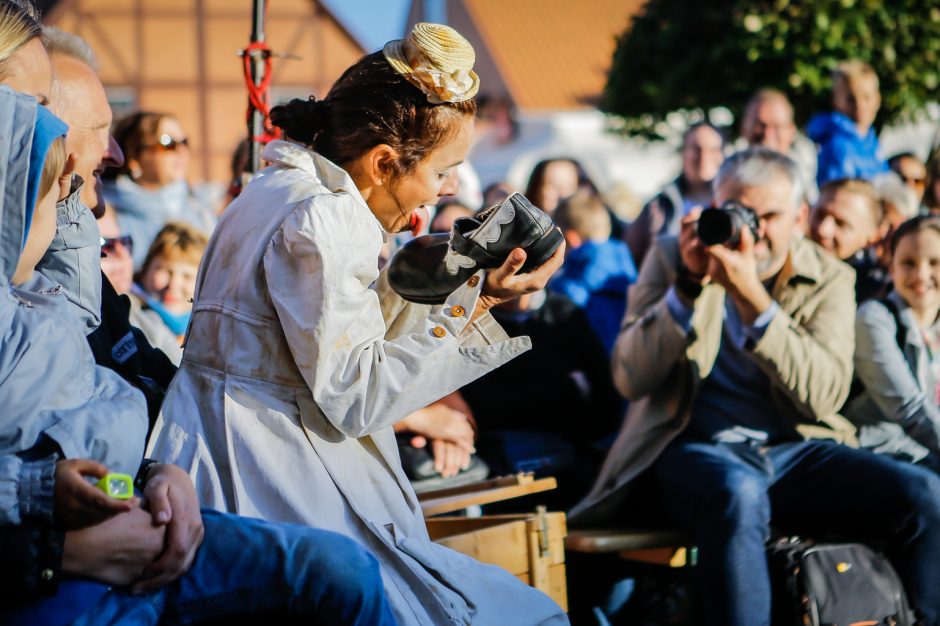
(133, 168)
(380, 160)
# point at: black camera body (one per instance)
(725, 224)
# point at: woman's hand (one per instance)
(505, 283)
(449, 432)
(438, 421)
(449, 458)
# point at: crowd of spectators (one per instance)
(726, 384)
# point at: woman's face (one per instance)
(915, 270)
(173, 283)
(423, 187)
(165, 159)
(30, 71)
(116, 260)
(560, 181)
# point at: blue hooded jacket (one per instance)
(842, 153)
(53, 395)
(596, 276)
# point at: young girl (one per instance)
(296, 370)
(161, 300)
(897, 354)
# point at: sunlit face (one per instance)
(431, 179)
(40, 236)
(914, 174)
(172, 282)
(858, 99)
(166, 159)
(843, 223)
(773, 204)
(30, 71)
(80, 100)
(915, 269)
(116, 262)
(701, 155)
(770, 124)
(559, 181)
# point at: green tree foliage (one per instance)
(700, 54)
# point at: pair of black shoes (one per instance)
(429, 268)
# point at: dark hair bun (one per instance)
(301, 120)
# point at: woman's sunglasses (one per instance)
(169, 144)
(108, 244)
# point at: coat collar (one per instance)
(330, 175)
(802, 264)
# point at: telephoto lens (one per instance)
(724, 224)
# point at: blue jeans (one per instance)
(728, 494)
(244, 567)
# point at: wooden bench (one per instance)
(661, 547)
(530, 546)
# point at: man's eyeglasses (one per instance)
(169, 144)
(108, 244)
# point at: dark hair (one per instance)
(912, 226)
(533, 190)
(703, 124)
(134, 133)
(371, 104)
(931, 199)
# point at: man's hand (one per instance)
(115, 552)
(172, 501)
(736, 271)
(78, 503)
(694, 257)
(505, 283)
(65, 180)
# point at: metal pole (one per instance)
(256, 118)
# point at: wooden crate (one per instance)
(530, 546)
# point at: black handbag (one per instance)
(834, 584)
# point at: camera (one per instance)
(725, 224)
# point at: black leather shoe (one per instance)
(429, 268)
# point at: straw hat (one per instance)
(437, 60)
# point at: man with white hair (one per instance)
(725, 351)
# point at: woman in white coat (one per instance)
(299, 359)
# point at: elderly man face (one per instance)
(843, 222)
(769, 123)
(80, 100)
(774, 203)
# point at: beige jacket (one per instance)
(806, 352)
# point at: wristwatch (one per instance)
(686, 283)
(140, 481)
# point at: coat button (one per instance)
(474, 281)
(457, 311)
(47, 574)
(439, 331)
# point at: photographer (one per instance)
(726, 349)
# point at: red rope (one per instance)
(259, 95)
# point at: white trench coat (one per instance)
(295, 371)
